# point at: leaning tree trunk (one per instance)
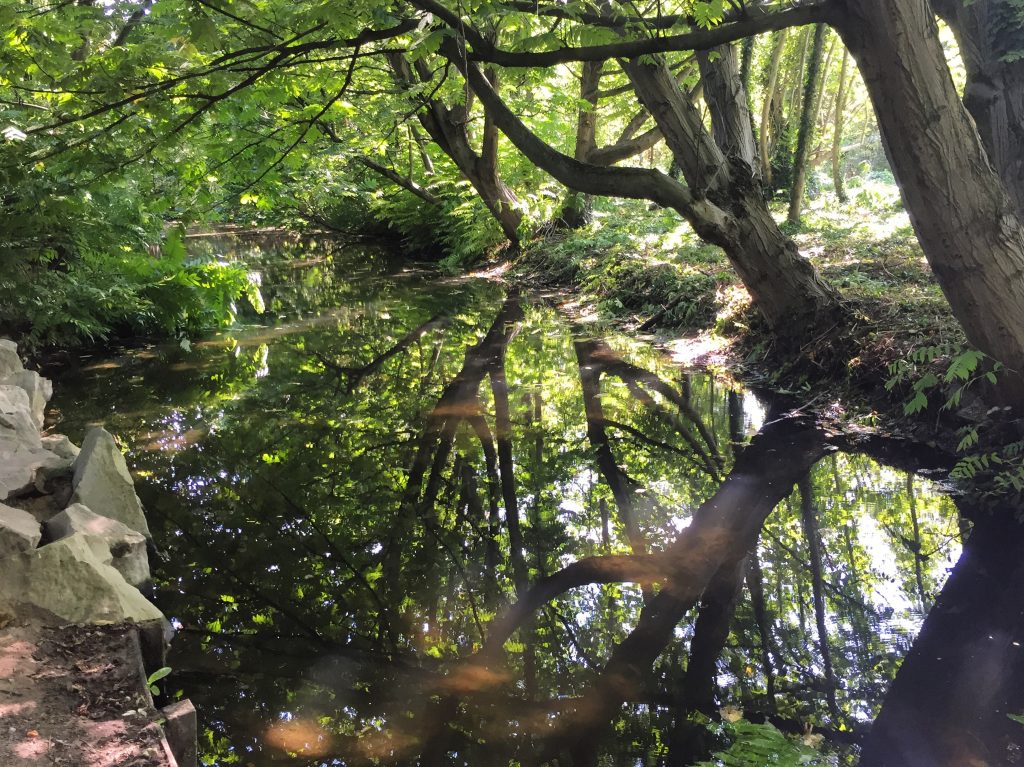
(721, 200)
(965, 221)
(785, 287)
(808, 117)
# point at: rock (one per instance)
(70, 581)
(17, 426)
(127, 547)
(103, 484)
(19, 531)
(10, 362)
(39, 391)
(60, 445)
(23, 469)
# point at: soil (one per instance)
(75, 696)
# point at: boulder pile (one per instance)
(73, 535)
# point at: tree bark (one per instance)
(808, 118)
(785, 287)
(963, 217)
(986, 31)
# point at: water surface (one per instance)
(351, 490)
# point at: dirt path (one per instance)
(75, 697)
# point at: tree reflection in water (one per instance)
(410, 521)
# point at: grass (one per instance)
(643, 268)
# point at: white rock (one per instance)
(38, 389)
(103, 484)
(25, 468)
(10, 362)
(19, 531)
(60, 445)
(127, 547)
(69, 580)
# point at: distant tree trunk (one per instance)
(578, 207)
(808, 117)
(988, 33)
(837, 132)
(809, 516)
(965, 221)
(770, 96)
(447, 127)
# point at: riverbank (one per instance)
(644, 272)
(79, 642)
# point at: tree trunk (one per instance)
(447, 127)
(766, 107)
(726, 96)
(837, 132)
(987, 31)
(964, 219)
(784, 286)
(722, 200)
(578, 207)
(808, 117)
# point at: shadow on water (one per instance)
(413, 521)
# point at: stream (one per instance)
(349, 491)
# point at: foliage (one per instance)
(754, 745)
(156, 676)
(963, 369)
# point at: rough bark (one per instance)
(986, 31)
(727, 98)
(963, 217)
(808, 118)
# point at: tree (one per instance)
(808, 118)
(963, 216)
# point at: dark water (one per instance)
(351, 490)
